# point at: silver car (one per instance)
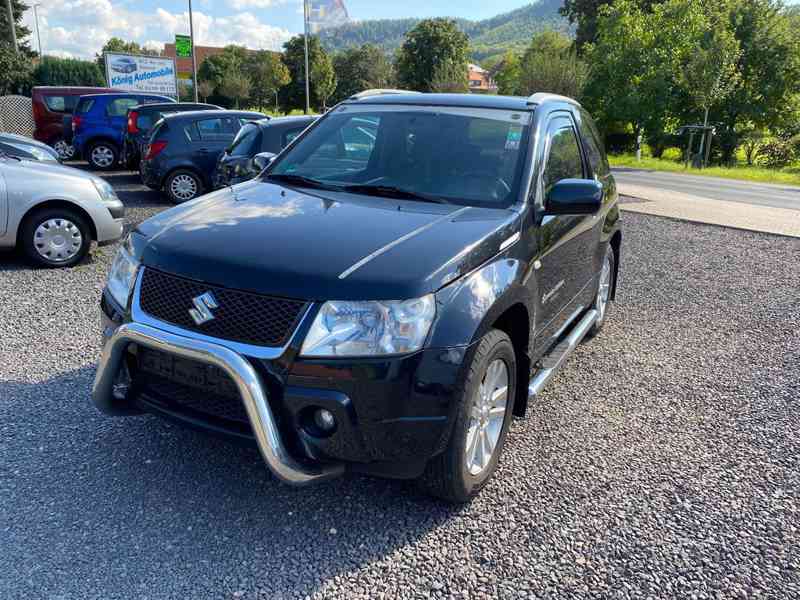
(53, 212)
(25, 147)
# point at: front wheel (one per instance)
(55, 238)
(482, 422)
(66, 151)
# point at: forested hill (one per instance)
(511, 30)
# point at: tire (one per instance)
(458, 474)
(65, 150)
(183, 185)
(602, 301)
(103, 156)
(55, 238)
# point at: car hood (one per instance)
(48, 169)
(270, 239)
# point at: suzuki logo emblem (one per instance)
(203, 305)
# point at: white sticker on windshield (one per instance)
(514, 137)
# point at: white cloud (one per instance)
(80, 28)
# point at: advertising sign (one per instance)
(183, 46)
(153, 74)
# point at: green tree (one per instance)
(586, 14)
(15, 71)
(359, 69)
(427, 47)
(67, 71)
(450, 78)
(550, 64)
(236, 86)
(116, 44)
(507, 74)
(268, 74)
(205, 88)
(322, 81)
(214, 69)
(18, 8)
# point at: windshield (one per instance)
(465, 156)
(246, 143)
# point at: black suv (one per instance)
(183, 150)
(267, 138)
(140, 122)
(397, 284)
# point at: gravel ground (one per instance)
(661, 462)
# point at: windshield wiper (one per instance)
(300, 180)
(389, 191)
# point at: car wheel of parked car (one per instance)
(65, 150)
(103, 156)
(482, 422)
(602, 301)
(56, 237)
(182, 186)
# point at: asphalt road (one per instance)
(661, 462)
(763, 194)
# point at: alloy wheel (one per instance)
(604, 289)
(486, 417)
(65, 151)
(183, 187)
(102, 156)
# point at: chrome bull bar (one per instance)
(280, 462)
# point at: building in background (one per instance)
(480, 81)
(326, 13)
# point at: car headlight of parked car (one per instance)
(122, 275)
(370, 328)
(107, 193)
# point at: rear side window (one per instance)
(564, 160)
(145, 121)
(594, 145)
(85, 105)
(119, 106)
(247, 141)
(191, 132)
(61, 104)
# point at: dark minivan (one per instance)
(142, 118)
(268, 136)
(184, 148)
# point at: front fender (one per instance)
(468, 308)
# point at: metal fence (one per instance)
(16, 115)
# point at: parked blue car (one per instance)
(99, 123)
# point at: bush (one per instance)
(776, 154)
(68, 71)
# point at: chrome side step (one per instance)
(554, 361)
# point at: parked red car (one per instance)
(50, 106)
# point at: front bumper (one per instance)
(247, 380)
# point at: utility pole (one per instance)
(12, 25)
(38, 34)
(305, 28)
(194, 57)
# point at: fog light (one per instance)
(324, 419)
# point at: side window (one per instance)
(211, 129)
(594, 146)
(119, 106)
(564, 160)
(56, 103)
(191, 132)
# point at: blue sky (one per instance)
(79, 28)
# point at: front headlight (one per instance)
(107, 193)
(122, 275)
(370, 328)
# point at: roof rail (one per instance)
(542, 97)
(380, 92)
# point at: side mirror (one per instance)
(262, 160)
(574, 197)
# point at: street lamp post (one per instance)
(12, 25)
(194, 58)
(38, 33)
(305, 37)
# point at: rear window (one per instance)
(62, 104)
(85, 105)
(247, 141)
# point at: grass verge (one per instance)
(789, 175)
